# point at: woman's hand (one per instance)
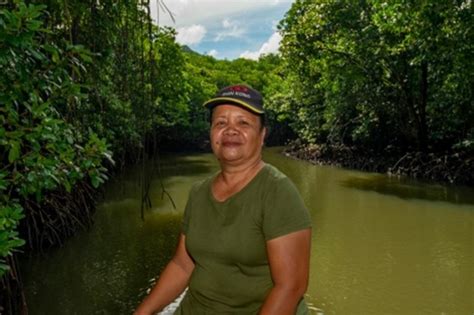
(172, 282)
(288, 257)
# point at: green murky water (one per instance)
(380, 245)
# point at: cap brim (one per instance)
(227, 100)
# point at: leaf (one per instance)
(69, 139)
(108, 155)
(86, 58)
(67, 185)
(4, 268)
(16, 242)
(14, 153)
(95, 181)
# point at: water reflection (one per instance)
(410, 189)
(386, 246)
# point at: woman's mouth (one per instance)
(230, 143)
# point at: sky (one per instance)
(226, 29)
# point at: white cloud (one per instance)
(189, 12)
(228, 27)
(250, 55)
(231, 29)
(270, 46)
(213, 53)
(226, 23)
(190, 35)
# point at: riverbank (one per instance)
(448, 167)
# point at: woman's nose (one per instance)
(230, 130)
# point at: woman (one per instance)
(245, 243)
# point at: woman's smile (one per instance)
(231, 143)
(236, 135)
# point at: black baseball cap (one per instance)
(240, 95)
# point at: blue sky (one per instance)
(227, 29)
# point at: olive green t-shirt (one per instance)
(227, 241)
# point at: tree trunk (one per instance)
(12, 298)
(422, 126)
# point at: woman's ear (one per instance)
(264, 135)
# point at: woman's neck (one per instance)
(233, 174)
(233, 179)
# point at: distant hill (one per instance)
(186, 48)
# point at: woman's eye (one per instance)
(244, 122)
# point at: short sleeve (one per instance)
(284, 211)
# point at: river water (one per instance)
(380, 245)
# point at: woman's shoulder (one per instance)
(200, 185)
(272, 173)
(275, 181)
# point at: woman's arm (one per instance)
(172, 282)
(288, 257)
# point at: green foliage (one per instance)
(171, 103)
(10, 215)
(80, 80)
(377, 73)
(40, 150)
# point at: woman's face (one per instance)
(236, 135)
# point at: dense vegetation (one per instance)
(79, 83)
(385, 81)
(89, 86)
(381, 73)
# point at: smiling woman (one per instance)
(245, 241)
